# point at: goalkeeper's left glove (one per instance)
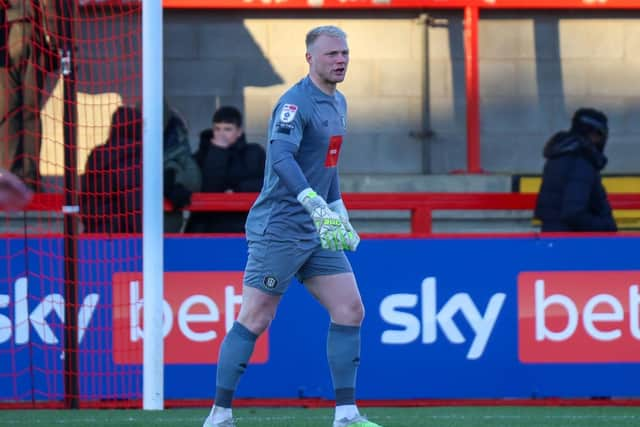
(352, 240)
(332, 233)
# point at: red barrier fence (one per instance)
(421, 205)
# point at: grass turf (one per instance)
(493, 416)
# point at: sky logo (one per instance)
(409, 327)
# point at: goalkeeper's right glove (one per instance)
(353, 240)
(332, 233)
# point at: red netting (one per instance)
(71, 79)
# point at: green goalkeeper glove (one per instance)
(333, 235)
(353, 240)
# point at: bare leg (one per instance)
(339, 294)
(258, 309)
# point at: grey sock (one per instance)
(235, 351)
(343, 352)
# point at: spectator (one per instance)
(28, 50)
(182, 176)
(229, 165)
(111, 188)
(572, 197)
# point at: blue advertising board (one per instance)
(461, 317)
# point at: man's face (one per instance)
(226, 134)
(328, 58)
(598, 139)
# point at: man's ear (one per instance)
(308, 57)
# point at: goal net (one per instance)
(72, 129)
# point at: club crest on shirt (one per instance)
(288, 113)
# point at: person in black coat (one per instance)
(229, 164)
(111, 187)
(572, 197)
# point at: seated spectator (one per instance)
(572, 197)
(111, 187)
(229, 165)
(182, 175)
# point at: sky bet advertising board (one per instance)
(445, 318)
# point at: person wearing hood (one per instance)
(229, 164)
(181, 174)
(572, 197)
(111, 187)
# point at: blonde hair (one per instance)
(325, 30)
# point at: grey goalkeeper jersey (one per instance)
(316, 123)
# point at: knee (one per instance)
(257, 318)
(351, 313)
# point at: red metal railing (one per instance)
(421, 205)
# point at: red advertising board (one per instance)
(199, 308)
(579, 316)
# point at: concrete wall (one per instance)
(536, 68)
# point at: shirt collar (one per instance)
(316, 92)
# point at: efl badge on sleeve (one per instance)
(288, 113)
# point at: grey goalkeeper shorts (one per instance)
(273, 263)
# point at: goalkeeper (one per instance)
(299, 227)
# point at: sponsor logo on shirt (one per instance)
(333, 152)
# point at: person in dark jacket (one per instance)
(572, 197)
(182, 175)
(111, 187)
(229, 165)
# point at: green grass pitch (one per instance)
(491, 416)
